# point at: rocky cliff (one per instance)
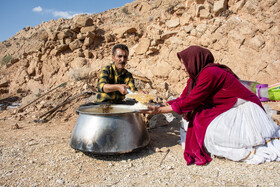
(242, 34)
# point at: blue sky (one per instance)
(18, 14)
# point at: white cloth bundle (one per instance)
(241, 133)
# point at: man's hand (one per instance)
(122, 88)
(107, 88)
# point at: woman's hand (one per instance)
(152, 110)
(158, 110)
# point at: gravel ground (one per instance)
(35, 154)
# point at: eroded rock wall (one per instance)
(243, 35)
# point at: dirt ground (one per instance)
(39, 154)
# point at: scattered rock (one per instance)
(15, 126)
(143, 46)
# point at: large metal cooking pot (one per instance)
(109, 129)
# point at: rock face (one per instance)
(243, 35)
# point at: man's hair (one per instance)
(119, 46)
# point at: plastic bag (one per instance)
(274, 92)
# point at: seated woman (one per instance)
(225, 118)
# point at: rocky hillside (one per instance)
(243, 34)
(36, 63)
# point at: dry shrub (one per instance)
(80, 74)
(6, 59)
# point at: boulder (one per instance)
(173, 23)
(168, 34)
(109, 37)
(21, 76)
(82, 21)
(31, 68)
(201, 28)
(158, 121)
(84, 30)
(219, 6)
(185, 19)
(143, 46)
(247, 29)
(88, 54)
(252, 7)
(81, 36)
(256, 42)
(49, 69)
(52, 35)
(88, 41)
(62, 48)
(119, 32)
(236, 36)
(237, 6)
(164, 16)
(173, 76)
(78, 53)
(91, 35)
(67, 41)
(189, 28)
(204, 13)
(161, 70)
(188, 3)
(75, 45)
(43, 35)
(64, 34)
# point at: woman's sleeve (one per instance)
(207, 83)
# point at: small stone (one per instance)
(60, 181)
(157, 150)
(214, 174)
(111, 164)
(164, 149)
(31, 162)
(15, 126)
(169, 167)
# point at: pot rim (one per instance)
(81, 110)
